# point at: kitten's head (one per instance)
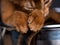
(34, 4)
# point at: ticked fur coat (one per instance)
(24, 14)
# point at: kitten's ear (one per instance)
(47, 4)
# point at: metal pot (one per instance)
(50, 35)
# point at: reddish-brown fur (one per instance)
(10, 14)
(36, 20)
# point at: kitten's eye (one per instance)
(36, 1)
(46, 1)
